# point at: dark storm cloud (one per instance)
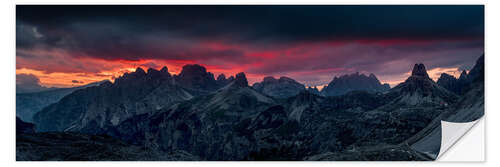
(265, 40)
(173, 32)
(257, 25)
(274, 22)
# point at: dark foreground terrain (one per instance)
(80, 147)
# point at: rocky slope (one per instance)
(28, 104)
(95, 109)
(205, 125)
(354, 82)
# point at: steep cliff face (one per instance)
(24, 127)
(196, 79)
(96, 108)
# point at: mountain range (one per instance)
(193, 116)
(461, 84)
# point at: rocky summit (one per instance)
(283, 87)
(196, 79)
(461, 85)
(419, 71)
(354, 82)
(469, 107)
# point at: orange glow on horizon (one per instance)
(59, 79)
(64, 79)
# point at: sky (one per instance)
(64, 46)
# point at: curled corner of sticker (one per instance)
(451, 132)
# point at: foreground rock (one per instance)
(80, 147)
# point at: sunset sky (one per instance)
(67, 46)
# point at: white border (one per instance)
(7, 87)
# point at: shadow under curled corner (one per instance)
(445, 130)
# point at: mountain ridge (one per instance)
(354, 82)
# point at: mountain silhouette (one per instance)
(283, 87)
(353, 82)
(419, 89)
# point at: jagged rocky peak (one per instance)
(152, 71)
(445, 78)
(221, 77)
(129, 76)
(353, 82)
(386, 86)
(193, 70)
(223, 81)
(477, 72)
(241, 80)
(450, 83)
(419, 70)
(419, 89)
(196, 77)
(419, 74)
(164, 69)
(462, 84)
(139, 71)
(270, 79)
